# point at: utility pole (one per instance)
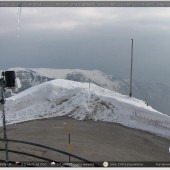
(130, 94)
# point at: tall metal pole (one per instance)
(130, 94)
(89, 84)
(4, 123)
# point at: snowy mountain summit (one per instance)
(156, 94)
(74, 99)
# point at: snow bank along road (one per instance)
(74, 99)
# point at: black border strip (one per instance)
(81, 164)
(84, 3)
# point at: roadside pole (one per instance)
(69, 139)
(2, 102)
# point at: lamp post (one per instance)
(130, 94)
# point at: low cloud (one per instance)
(98, 38)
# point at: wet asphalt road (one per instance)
(95, 141)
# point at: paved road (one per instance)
(95, 141)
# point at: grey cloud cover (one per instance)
(89, 38)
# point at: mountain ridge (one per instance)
(156, 95)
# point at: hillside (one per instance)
(74, 99)
(156, 94)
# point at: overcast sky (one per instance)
(88, 38)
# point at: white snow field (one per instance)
(74, 99)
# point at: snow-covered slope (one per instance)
(29, 78)
(74, 99)
(95, 76)
(157, 95)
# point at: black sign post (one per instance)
(7, 81)
(2, 102)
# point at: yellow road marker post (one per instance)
(69, 139)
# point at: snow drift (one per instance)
(74, 99)
(143, 91)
